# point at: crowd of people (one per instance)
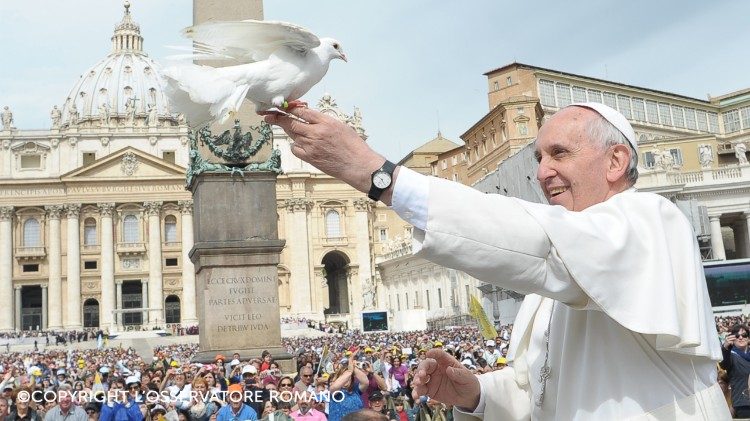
(335, 377)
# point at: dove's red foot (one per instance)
(294, 104)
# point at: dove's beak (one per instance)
(342, 56)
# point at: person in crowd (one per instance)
(305, 383)
(376, 402)
(306, 410)
(352, 382)
(203, 403)
(22, 404)
(92, 411)
(574, 259)
(121, 405)
(65, 410)
(236, 409)
(736, 362)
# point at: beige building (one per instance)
(94, 215)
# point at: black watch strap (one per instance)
(375, 192)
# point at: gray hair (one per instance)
(602, 130)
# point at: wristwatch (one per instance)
(381, 180)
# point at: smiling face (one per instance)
(575, 171)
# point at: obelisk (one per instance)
(236, 246)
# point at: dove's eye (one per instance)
(336, 45)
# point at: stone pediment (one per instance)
(128, 163)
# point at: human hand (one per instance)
(330, 145)
(442, 377)
(729, 341)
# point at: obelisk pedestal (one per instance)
(236, 253)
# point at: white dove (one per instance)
(277, 63)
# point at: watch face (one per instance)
(381, 180)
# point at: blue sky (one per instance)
(409, 61)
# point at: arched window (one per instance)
(31, 233)
(172, 309)
(333, 224)
(89, 232)
(170, 229)
(130, 233)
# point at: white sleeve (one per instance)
(410, 194)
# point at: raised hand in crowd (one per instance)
(441, 377)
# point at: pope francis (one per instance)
(617, 323)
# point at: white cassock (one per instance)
(620, 286)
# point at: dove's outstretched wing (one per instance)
(248, 40)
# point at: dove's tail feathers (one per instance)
(222, 110)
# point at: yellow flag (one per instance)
(485, 326)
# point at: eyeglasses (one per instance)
(286, 385)
(743, 335)
(307, 375)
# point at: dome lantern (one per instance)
(127, 35)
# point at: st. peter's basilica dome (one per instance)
(123, 87)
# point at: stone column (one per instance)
(108, 263)
(189, 311)
(364, 285)
(74, 269)
(118, 304)
(6, 268)
(299, 259)
(155, 297)
(44, 306)
(144, 300)
(717, 240)
(17, 306)
(53, 309)
(747, 234)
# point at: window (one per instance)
(31, 268)
(678, 116)
(702, 119)
(31, 162)
(610, 100)
(444, 164)
(31, 233)
(427, 296)
(168, 156)
(88, 158)
(690, 119)
(508, 81)
(454, 159)
(652, 114)
(732, 121)
(713, 122)
(455, 177)
(407, 231)
(547, 92)
(563, 94)
(130, 232)
(639, 109)
(497, 86)
(745, 114)
(649, 160)
(90, 265)
(170, 229)
(623, 105)
(440, 298)
(595, 96)
(579, 94)
(333, 224)
(383, 235)
(665, 117)
(171, 261)
(89, 232)
(676, 156)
